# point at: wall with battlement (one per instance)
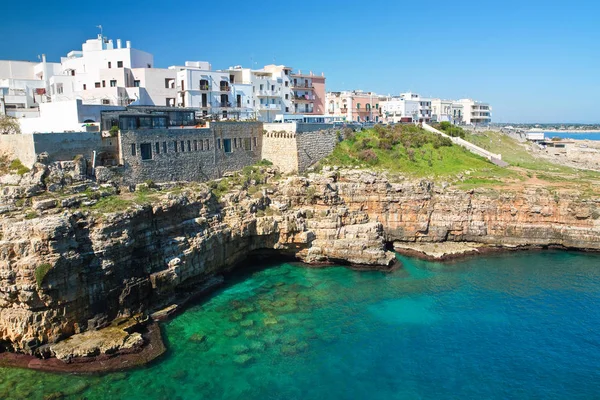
(163, 155)
(295, 151)
(281, 149)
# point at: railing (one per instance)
(225, 88)
(267, 93)
(299, 86)
(303, 98)
(204, 87)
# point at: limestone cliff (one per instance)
(70, 271)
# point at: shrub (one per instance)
(40, 273)
(18, 167)
(368, 156)
(31, 215)
(114, 131)
(264, 163)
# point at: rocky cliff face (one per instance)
(68, 271)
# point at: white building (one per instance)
(109, 74)
(24, 85)
(475, 112)
(398, 109)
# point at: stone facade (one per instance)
(164, 155)
(295, 147)
(63, 146)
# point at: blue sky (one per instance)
(533, 61)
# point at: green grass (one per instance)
(40, 273)
(411, 150)
(18, 167)
(111, 204)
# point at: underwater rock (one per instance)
(247, 323)
(198, 337)
(243, 359)
(241, 349)
(232, 333)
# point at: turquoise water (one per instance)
(574, 135)
(512, 326)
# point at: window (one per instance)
(207, 144)
(195, 145)
(113, 83)
(84, 86)
(109, 64)
(189, 145)
(261, 86)
(201, 145)
(377, 106)
(175, 145)
(286, 96)
(164, 147)
(286, 83)
(119, 64)
(97, 84)
(103, 83)
(247, 144)
(105, 101)
(182, 146)
(273, 88)
(167, 83)
(358, 106)
(146, 151)
(227, 145)
(149, 65)
(219, 144)
(133, 149)
(157, 148)
(287, 109)
(224, 114)
(235, 143)
(136, 83)
(255, 142)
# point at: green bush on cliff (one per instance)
(18, 167)
(40, 273)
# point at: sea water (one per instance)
(574, 135)
(511, 326)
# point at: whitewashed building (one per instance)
(24, 85)
(475, 112)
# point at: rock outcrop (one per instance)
(70, 271)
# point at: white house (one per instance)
(475, 112)
(24, 85)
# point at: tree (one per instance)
(9, 126)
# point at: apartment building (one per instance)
(24, 85)
(355, 106)
(216, 94)
(308, 93)
(475, 112)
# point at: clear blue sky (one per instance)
(534, 61)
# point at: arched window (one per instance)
(358, 106)
(368, 107)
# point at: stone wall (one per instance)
(281, 149)
(189, 154)
(59, 146)
(18, 146)
(295, 152)
(314, 146)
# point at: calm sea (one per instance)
(574, 135)
(513, 326)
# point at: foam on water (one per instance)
(505, 326)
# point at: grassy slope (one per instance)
(427, 160)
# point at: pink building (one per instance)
(308, 93)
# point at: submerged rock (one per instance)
(243, 359)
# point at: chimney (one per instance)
(128, 44)
(119, 45)
(43, 58)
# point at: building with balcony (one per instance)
(355, 106)
(24, 85)
(475, 112)
(308, 93)
(216, 94)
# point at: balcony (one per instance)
(267, 93)
(303, 98)
(269, 107)
(204, 87)
(225, 88)
(302, 86)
